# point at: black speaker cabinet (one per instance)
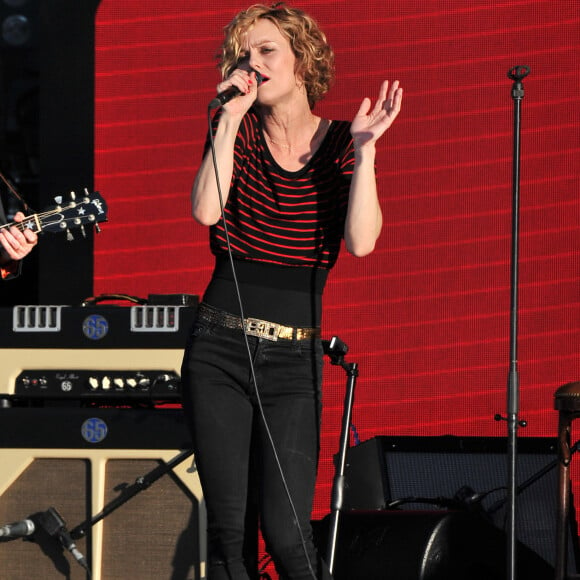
(423, 545)
(442, 473)
(78, 461)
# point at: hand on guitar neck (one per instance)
(19, 237)
(16, 242)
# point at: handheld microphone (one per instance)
(18, 529)
(230, 93)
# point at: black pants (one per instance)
(221, 406)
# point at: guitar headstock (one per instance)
(88, 209)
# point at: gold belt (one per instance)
(255, 326)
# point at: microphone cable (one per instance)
(247, 344)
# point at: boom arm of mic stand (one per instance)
(140, 484)
(336, 350)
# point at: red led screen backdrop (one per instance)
(426, 316)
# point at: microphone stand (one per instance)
(517, 74)
(336, 350)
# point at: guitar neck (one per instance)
(30, 222)
(88, 210)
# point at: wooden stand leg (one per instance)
(563, 508)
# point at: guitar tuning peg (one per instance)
(73, 195)
(97, 228)
(83, 232)
(58, 199)
(69, 236)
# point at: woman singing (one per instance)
(293, 186)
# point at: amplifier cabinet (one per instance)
(469, 473)
(78, 461)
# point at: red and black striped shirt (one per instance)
(293, 218)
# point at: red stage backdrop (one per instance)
(426, 317)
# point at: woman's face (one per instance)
(268, 52)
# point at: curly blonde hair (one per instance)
(314, 56)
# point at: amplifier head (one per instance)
(93, 353)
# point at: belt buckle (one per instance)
(262, 328)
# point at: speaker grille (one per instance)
(154, 535)
(442, 475)
(44, 483)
